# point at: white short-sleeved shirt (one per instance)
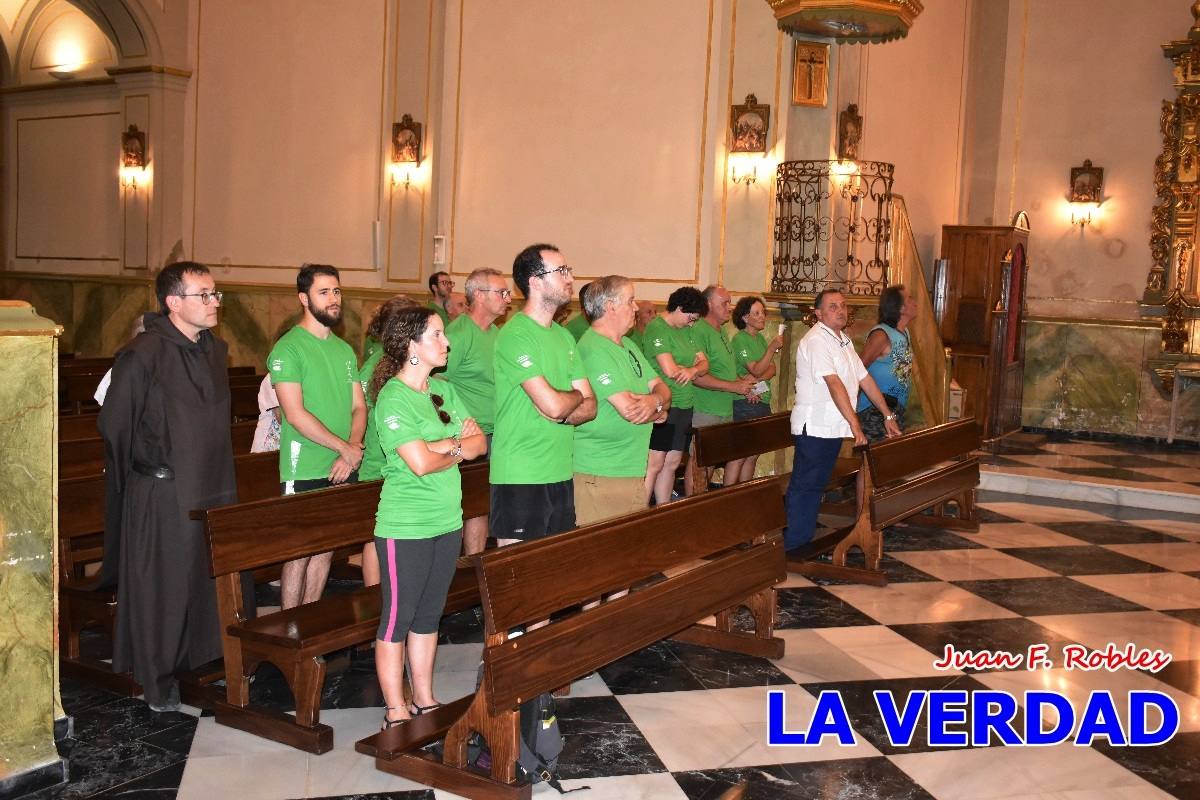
(822, 352)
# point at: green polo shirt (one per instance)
(660, 338)
(748, 349)
(721, 365)
(577, 325)
(412, 506)
(326, 370)
(470, 367)
(528, 447)
(610, 445)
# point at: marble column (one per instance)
(28, 525)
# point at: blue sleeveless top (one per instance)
(892, 372)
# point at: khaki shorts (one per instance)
(598, 498)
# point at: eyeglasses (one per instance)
(205, 297)
(563, 270)
(505, 293)
(437, 403)
(633, 360)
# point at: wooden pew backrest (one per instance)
(893, 459)
(715, 446)
(527, 585)
(285, 528)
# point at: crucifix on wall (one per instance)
(810, 69)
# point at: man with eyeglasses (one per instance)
(440, 286)
(541, 394)
(470, 367)
(829, 375)
(165, 425)
(315, 375)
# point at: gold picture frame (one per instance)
(810, 74)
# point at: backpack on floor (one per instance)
(541, 745)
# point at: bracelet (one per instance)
(889, 418)
(456, 453)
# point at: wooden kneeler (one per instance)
(901, 477)
(729, 545)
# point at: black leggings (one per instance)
(415, 577)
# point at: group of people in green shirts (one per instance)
(578, 428)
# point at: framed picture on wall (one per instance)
(749, 123)
(406, 141)
(1086, 183)
(810, 72)
(133, 147)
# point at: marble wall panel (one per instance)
(244, 318)
(27, 624)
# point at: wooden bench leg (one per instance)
(307, 680)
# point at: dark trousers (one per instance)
(812, 464)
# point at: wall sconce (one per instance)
(133, 157)
(743, 170)
(845, 176)
(406, 151)
(1084, 194)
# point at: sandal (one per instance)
(417, 710)
(391, 723)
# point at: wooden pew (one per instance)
(77, 385)
(83, 457)
(81, 542)
(717, 445)
(731, 557)
(252, 535)
(932, 468)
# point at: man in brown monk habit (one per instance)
(167, 448)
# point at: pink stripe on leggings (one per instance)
(391, 557)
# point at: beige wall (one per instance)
(1082, 79)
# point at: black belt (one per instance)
(163, 473)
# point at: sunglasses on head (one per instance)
(437, 404)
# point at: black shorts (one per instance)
(532, 510)
(675, 433)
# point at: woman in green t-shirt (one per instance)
(753, 355)
(371, 468)
(678, 363)
(424, 435)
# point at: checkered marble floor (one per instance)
(1135, 464)
(680, 721)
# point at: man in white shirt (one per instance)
(829, 374)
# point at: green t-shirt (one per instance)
(441, 312)
(371, 346)
(635, 336)
(470, 367)
(720, 365)
(577, 325)
(528, 448)
(371, 468)
(610, 445)
(660, 338)
(327, 371)
(412, 506)
(746, 350)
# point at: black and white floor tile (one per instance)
(681, 721)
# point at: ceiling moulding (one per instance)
(847, 21)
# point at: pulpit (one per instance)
(979, 291)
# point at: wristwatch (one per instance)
(658, 409)
(889, 418)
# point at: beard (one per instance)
(325, 317)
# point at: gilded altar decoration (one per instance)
(1171, 283)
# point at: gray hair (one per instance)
(477, 280)
(600, 293)
(710, 290)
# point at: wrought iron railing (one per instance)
(833, 227)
